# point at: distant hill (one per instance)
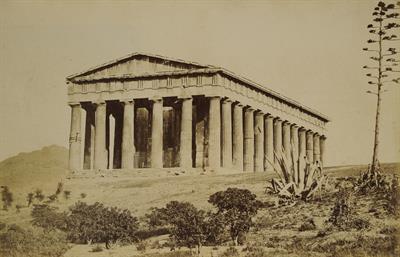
(38, 169)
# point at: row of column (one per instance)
(242, 138)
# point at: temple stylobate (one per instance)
(150, 111)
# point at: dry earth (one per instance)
(277, 229)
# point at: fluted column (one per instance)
(310, 146)
(322, 140)
(259, 142)
(277, 137)
(186, 133)
(269, 143)
(249, 139)
(100, 151)
(294, 135)
(128, 127)
(75, 137)
(157, 134)
(302, 143)
(316, 145)
(286, 138)
(238, 136)
(227, 133)
(214, 129)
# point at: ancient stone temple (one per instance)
(149, 111)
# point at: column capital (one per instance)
(99, 102)
(316, 134)
(212, 96)
(185, 97)
(302, 129)
(227, 100)
(250, 109)
(238, 104)
(322, 136)
(286, 122)
(72, 104)
(259, 113)
(156, 99)
(294, 125)
(277, 119)
(127, 101)
(269, 116)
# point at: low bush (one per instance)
(256, 252)
(47, 217)
(18, 242)
(141, 246)
(145, 234)
(309, 224)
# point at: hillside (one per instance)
(41, 168)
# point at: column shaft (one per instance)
(286, 139)
(227, 133)
(249, 140)
(294, 134)
(186, 134)
(259, 143)
(214, 129)
(277, 137)
(238, 136)
(157, 134)
(75, 138)
(322, 140)
(100, 151)
(310, 146)
(269, 143)
(128, 146)
(302, 143)
(317, 154)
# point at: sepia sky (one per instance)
(307, 50)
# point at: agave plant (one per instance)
(298, 178)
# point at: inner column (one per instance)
(238, 136)
(214, 128)
(227, 133)
(269, 143)
(157, 134)
(259, 142)
(249, 139)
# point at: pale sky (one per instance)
(309, 51)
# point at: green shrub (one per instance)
(18, 242)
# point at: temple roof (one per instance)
(142, 65)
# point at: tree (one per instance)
(188, 224)
(383, 55)
(47, 217)
(99, 224)
(29, 198)
(6, 197)
(237, 207)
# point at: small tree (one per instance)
(39, 195)
(237, 207)
(382, 35)
(29, 198)
(187, 223)
(47, 217)
(99, 224)
(6, 197)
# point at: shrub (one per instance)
(341, 210)
(17, 242)
(145, 234)
(39, 195)
(67, 194)
(83, 195)
(256, 252)
(236, 207)
(47, 217)
(6, 197)
(188, 225)
(141, 246)
(99, 224)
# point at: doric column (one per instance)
(317, 154)
(238, 136)
(259, 142)
(286, 138)
(128, 145)
(214, 129)
(249, 139)
(294, 135)
(157, 133)
(227, 133)
(269, 143)
(302, 143)
(277, 137)
(100, 151)
(186, 133)
(310, 146)
(75, 137)
(322, 140)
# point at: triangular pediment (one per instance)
(137, 64)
